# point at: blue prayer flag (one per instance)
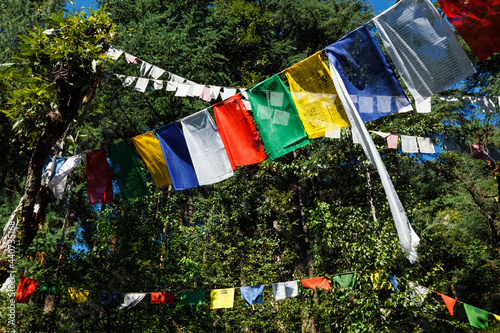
(367, 75)
(177, 157)
(252, 295)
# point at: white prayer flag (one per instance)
(158, 84)
(486, 104)
(416, 294)
(422, 46)
(333, 132)
(449, 99)
(408, 239)
(141, 84)
(177, 78)
(382, 134)
(156, 72)
(409, 144)
(248, 105)
(129, 80)
(131, 300)
(114, 53)
(182, 89)
(228, 92)
(145, 67)
(172, 86)
(425, 145)
(424, 106)
(283, 290)
(190, 91)
(198, 90)
(244, 93)
(58, 182)
(214, 91)
(210, 160)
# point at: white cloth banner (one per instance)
(210, 161)
(156, 72)
(425, 145)
(142, 84)
(114, 53)
(422, 46)
(131, 300)
(145, 67)
(408, 239)
(283, 290)
(409, 144)
(58, 182)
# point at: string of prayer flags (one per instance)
(177, 157)
(282, 290)
(367, 75)
(408, 239)
(477, 317)
(449, 302)
(109, 300)
(424, 50)
(479, 152)
(477, 23)
(99, 183)
(162, 297)
(25, 289)
(409, 144)
(131, 300)
(319, 282)
(252, 295)
(345, 280)
(277, 118)
(210, 160)
(126, 171)
(58, 183)
(192, 297)
(149, 149)
(236, 129)
(425, 145)
(221, 298)
(78, 296)
(315, 97)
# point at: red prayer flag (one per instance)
(243, 145)
(25, 289)
(450, 302)
(477, 21)
(99, 185)
(319, 282)
(159, 297)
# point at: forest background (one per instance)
(318, 211)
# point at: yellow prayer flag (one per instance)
(77, 295)
(150, 150)
(497, 317)
(222, 298)
(315, 96)
(379, 278)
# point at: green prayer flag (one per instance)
(52, 289)
(278, 121)
(192, 297)
(477, 317)
(345, 280)
(126, 171)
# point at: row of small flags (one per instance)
(224, 298)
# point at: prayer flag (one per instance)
(210, 160)
(479, 152)
(51, 289)
(367, 75)
(424, 106)
(78, 296)
(392, 141)
(277, 118)
(477, 317)
(214, 91)
(58, 182)
(159, 297)
(114, 53)
(99, 184)
(227, 92)
(130, 58)
(382, 134)
(109, 300)
(129, 80)
(172, 86)
(141, 84)
(423, 48)
(25, 289)
(192, 297)
(449, 302)
(408, 239)
(176, 154)
(51, 167)
(131, 300)
(315, 96)
(221, 298)
(283, 290)
(345, 280)
(236, 129)
(145, 67)
(126, 171)
(409, 144)
(150, 150)
(493, 154)
(182, 89)
(158, 84)
(394, 282)
(319, 282)
(477, 22)
(497, 317)
(416, 293)
(450, 145)
(252, 295)
(379, 278)
(205, 94)
(156, 72)
(425, 145)
(465, 148)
